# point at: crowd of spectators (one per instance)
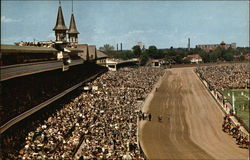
(226, 76)
(36, 44)
(103, 120)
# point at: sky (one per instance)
(160, 23)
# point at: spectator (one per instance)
(104, 120)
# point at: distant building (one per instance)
(193, 58)
(212, 47)
(101, 58)
(89, 53)
(188, 44)
(156, 62)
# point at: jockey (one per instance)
(245, 139)
(224, 124)
(226, 118)
(239, 138)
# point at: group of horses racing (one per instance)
(235, 131)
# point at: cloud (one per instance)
(8, 20)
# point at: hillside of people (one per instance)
(103, 119)
(226, 76)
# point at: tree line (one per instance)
(175, 55)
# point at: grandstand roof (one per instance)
(5, 48)
(88, 49)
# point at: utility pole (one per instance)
(188, 44)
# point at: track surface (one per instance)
(191, 125)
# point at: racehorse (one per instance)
(227, 127)
(235, 131)
(226, 118)
(224, 125)
(244, 143)
(231, 129)
(239, 137)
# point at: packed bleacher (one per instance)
(226, 76)
(103, 119)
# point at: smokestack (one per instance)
(95, 53)
(117, 47)
(188, 44)
(121, 46)
(87, 56)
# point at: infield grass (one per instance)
(241, 102)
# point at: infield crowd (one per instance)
(226, 76)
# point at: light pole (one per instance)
(233, 101)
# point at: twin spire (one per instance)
(60, 25)
(72, 25)
(61, 29)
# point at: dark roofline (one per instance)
(26, 49)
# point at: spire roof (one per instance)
(72, 26)
(60, 25)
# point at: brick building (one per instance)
(211, 47)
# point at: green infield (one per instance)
(241, 102)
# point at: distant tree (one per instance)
(144, 59)
(242, 58)
(205, 56)
(214, 55)
(137, 50)
(152, 49)
(152, 52)
(186, 61)
(125, 55)
(178, 59)
(228, 56)
(107, 48)
(172, 53)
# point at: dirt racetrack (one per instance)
(191, 123)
